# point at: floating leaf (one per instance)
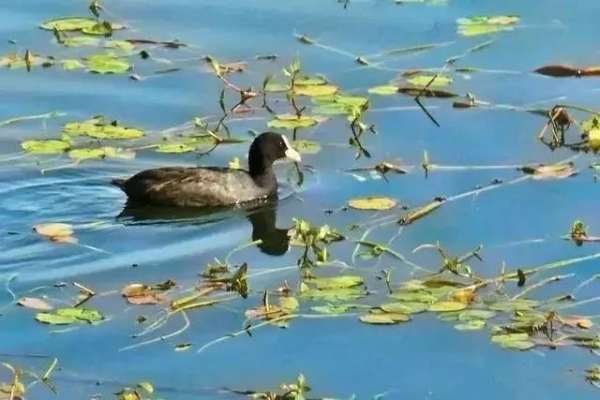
(429, 92)
(475, 314)
(70, 315)
(338, 282)
(423, 80)
(35, 303)
(146, 386)
(78, 41)
(561, 171)
(372, 203)
(404, 307)
(54, 231)
(446, 306)
(561, 71)
(100, 29)
(474, 26)
(289, 121)
(338, 309)
(471, 325)
(289, 304)
(309, 81)
(120, 45)
(313, 91)
(420, 212)
(68, 24)
(384, 319)
(175, 148)
(108, 64)
(272, 87)
(183, 347)
(415, 296)
(306, 146)
(385, 90)
(514, 305)
(45, 146)
(98, 130)
(70, 65)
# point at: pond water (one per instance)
(519, 222)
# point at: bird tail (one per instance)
(120, 183)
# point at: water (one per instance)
(425, 359)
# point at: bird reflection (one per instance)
(262, 215)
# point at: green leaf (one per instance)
(69, 315)
(306, 146)
(68, 24)
(120, 45)
(446, 306)
(309, 81)
(273, 87)
(372, 203)
(334, 295)
(385, 90)
(517, 345)
(474, 26)
(404, 307)
(338, 309)
(79, 41)
(469, 315)
(514, 305)
(100, 29)
(108, 64)
(423, 80)
(175, 148)
(72, 64)
(338, 282)
(45, 146)
(471, 325)
(146, 386)
(313, 91)
(289, 121)
(99, 130)
(289, 304)
(419, 296)
(384, 319)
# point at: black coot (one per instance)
(208, 187)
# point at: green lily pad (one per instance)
(451, 316)
(372, 203)
(306, 146)
(309, 81)
(68, 24)
(385, 90)
(514, 305)
(102, 152)
(108, 64)
(289, 121)
(72, 64)
(99, 130)
(350, 101)
(100, 29)
(384, 319)
(446, 306)
(471, 325)
(45, 146)
(486, 25)
(175, 148)
(277, 87)
(313, 91)
(79, 41)
(419, 296)
(469, 315)
(334, 295)
(122, 45)
(338, 282)
(331, 109)
(404, 307)
(70, 315)
(334, 309)
(423, 80)
(289, 304)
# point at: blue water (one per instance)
(425, 359)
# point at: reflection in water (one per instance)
(262, 216)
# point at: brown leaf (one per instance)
(465, 296)
(146, 298)
(35, 303)
(422, 92)
(561, 71)
(577, 322)
(134, 289)
(550, 171)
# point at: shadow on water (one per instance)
(262, 215)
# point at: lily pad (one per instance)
(447, 306)
(79, 41)
(469, 315)
(338, 282)
(514, 305)
(45, 146)
(419, 296)
(290, 121)
(313, 91)
(70, 315)
(72, 64)
(372, 203)
(100, 29)
(384, 319)
(108, 64)
(423, 80)
(471, 325)
(309, 81)
(404, 307)
(474, 26)
(99, 130)
(175, 148)
(306, 146)
(68, 24)
(385, 90)
(273, 87)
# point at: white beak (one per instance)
(290, 152)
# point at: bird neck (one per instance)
(261, 170)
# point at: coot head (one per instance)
(267, 148)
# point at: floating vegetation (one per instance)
(474, 26)
(372, 203)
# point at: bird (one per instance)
(212, 187)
